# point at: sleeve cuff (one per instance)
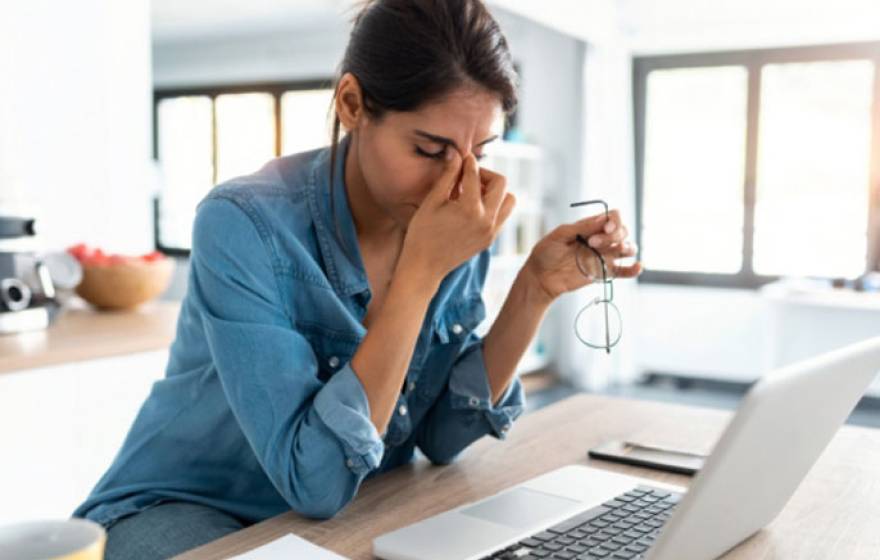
(469, 390)
(343, 407)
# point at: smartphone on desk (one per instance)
(671, 460)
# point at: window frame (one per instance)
(753, 60)
(275, 89)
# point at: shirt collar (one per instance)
(337, 239)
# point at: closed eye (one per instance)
(441, 154)
(433, 155)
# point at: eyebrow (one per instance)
(448, 141)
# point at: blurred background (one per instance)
(740, 140)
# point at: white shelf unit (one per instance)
(805, 319)
(522, 165)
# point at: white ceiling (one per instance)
(694, 25)
(184, 20)
(644, 25)
(174, 20)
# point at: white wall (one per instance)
(593, 21)
(75, 132)
(699, 25)
(283, 55)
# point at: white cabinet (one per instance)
(61, 426)
(806, 322)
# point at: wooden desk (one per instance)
(81, 333)
(832, 515)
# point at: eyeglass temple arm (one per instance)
(588, 202)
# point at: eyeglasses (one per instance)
(601, 308)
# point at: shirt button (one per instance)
(411, 387)
(474, 402)
(402, 410)
(349, 463)
(457, 328)
(333, 361)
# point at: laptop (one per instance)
(576, 512)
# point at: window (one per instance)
(814, 156)
(757, 164)
(696, 134)
(245, 131)
(304, 122)
(208, 135)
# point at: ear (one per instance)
(349, 102)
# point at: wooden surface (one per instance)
(833, 514)
(81, 333)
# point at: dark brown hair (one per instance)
(408, 53)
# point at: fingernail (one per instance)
(610, 227)
(595, 241)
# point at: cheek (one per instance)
(416, 179)
(398, 178)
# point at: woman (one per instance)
(327, 330)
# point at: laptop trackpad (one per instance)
(521, 508)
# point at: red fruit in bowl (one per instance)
(80, 251)
(88, 256)
(98, 257)
(117, 259)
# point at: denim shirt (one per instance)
(260, 410)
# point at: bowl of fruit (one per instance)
(114, 281)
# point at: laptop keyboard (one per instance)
(620, 529)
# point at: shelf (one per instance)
(514, 150)
(521, 164)
(822, 297)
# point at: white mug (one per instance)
(63, 539)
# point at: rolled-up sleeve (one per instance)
(343, 407)
(314, 439)
(464, 411)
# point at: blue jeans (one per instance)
(167, 529)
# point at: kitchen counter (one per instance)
(82, 333)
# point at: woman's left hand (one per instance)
(552, 263)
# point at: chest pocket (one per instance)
(333, 348)
(450, 331)
(459, 320)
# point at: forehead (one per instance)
(463, 114)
